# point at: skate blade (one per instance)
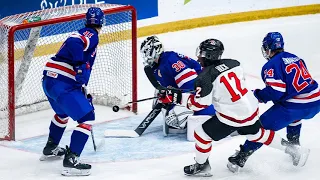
(200, 174)
(75, 172)
(303, 157)
(233, 168)
(50, 158)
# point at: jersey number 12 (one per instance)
(234, 96)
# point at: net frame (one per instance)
(11, 49)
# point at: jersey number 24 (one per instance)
(300, 72)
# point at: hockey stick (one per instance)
(117, 108)
(149, 118)
(140, 129)
(95, 147)
(93, 141)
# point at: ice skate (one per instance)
(299, 154)
(201, 170)
(52, 151)
(238, 160)
(294, 140)
(72, 165)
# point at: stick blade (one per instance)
(118, 133)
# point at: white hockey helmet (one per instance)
(151, 49)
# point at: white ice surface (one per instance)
(242, 41)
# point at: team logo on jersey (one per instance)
(159, 73)
(52, 74)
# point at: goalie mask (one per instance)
(151, 49)
(209, 51)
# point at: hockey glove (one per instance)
(88, 96)
(83, 73)
(255, 93)
(170, 96)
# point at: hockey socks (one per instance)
(57, 127)
(79, 138)
(203, 145)
(293, 132)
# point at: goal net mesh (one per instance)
(111, 78)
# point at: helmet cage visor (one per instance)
(150, 52)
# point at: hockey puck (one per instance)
(115, 108)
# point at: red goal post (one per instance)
(28, 41)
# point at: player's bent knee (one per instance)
(200, 135)
(193, 123)
(88, 117)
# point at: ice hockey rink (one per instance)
(154, 157)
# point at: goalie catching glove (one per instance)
(170, 96)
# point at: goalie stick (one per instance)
(140, 129)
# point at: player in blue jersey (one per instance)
(172, 69)
(64, 79)
(290, 87)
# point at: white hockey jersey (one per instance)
(223, 85)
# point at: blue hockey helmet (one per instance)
(94, 16)
(271, 42)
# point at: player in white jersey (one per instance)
(222, 84)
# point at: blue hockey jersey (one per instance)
(176, 70)
(288, 82)
(79, 48)
(179, 71)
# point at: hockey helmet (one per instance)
(209, 51)
(94, 16)
(151, 49)
(271, 42)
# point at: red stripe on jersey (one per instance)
(296, 121)
(85, 126)
(203, 150)
(62, 68)
(241, 121)
(276, 84)
(198, 138)
(196, 104)
(84, 39)
(60, 121)
(309, 97)
(262, 134)
(186, 75)
(270, 138)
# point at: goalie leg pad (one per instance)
(176, 117)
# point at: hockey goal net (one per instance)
(29, 40)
